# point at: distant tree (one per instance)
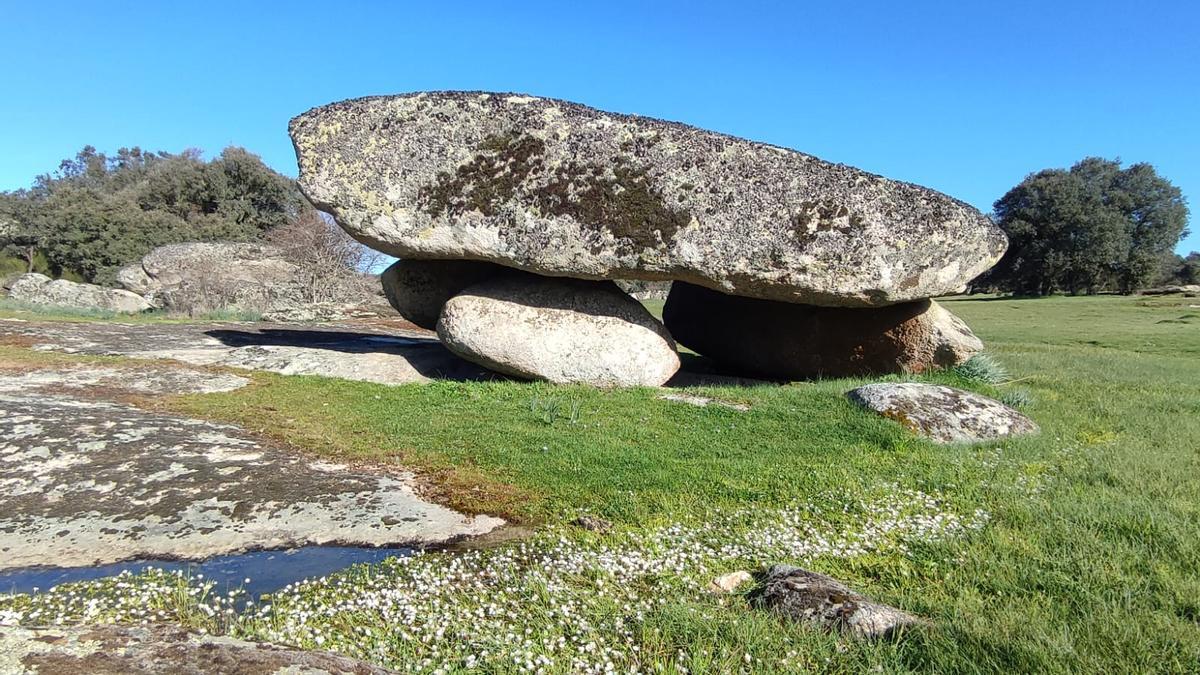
(1183, 270)
(1090, 228)
(97, 213)
(333, 265)
(21, 235)
(1189, 272)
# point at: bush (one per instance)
(1017, 398)
(982, 368)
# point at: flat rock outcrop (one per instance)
(791, 341)
(801, 595)
(943, 414)
(561, 189)
(384, 355)
(159, 649)
(92, 481)
(559, 330)
(418, 289)
(40, 289)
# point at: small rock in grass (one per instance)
(592, 524)
(801, 595)
(703, 401)
(944, 414)
(728, 583)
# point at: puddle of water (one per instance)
(268, 571)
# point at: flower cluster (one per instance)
(149, 596)
(562, 601)
(567, 603)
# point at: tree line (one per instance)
(96, 212)
(1095, 227)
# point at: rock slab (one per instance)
(159, 649)
(201, 276)
(801, 595)
(89, 481)
(561, 189)
(39, 289)
(789, 341)
(559, 330)
(354, 351)
(943, 414)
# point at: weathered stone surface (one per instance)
(86, 481)
(801, 595)
(944, 414)
(324, 312)
(204, 276)
(384, 354)
(174, 264)
(790, 341)
(418, 289)
(144, 380)
(160, 649)
(559, 330)
(561, 189)
(39, 289)
(135, 280)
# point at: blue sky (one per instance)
(966, 97)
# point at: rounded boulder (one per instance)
(418, 289)
(559, 330)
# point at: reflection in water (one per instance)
(268, 571)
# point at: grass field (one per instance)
(1077, 550)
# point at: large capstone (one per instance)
(561, 189)
(418, 289)
(559, 330)
(782, 340)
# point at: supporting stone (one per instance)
(788, 341)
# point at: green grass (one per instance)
(1089, 560)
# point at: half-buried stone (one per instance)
(560, 189)
(783, 340)
(943, 414)
(559, 330)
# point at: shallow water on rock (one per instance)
(268, 571)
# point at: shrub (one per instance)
(982, 368)
(1017, 398)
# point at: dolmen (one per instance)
(513, 215)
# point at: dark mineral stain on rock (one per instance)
(489, 180)
(626, 204)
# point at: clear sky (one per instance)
(964, 96)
